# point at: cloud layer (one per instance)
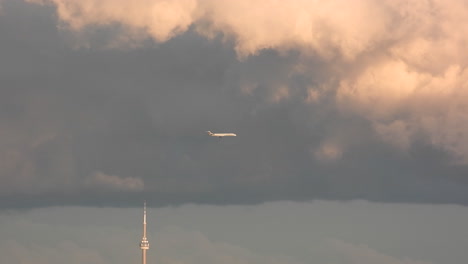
(330, 99)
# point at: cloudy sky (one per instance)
(353, 108)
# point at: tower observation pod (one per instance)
(144, 244)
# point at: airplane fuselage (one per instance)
(220, 135)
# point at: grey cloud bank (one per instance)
(98, 107)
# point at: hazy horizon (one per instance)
(355, 232)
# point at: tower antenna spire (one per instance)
(144, 244)
(144, 219)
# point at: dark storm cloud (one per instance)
(93, 125)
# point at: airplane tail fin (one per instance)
(209, 132)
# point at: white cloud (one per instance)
(112, 182)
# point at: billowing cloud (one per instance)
(159, 19)
(403, 102)
(330, 28)
(374, 90)
(408, 62)
(310, 26)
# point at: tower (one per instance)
(144, 244)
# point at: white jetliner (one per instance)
(220, 135)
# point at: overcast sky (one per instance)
(107, 102)
(351, 119)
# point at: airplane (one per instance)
(221, 135)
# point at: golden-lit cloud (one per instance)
(311, 26)
(321, 27)
(160, 20)
(403, 102)
(399, 64)
(417, 32)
